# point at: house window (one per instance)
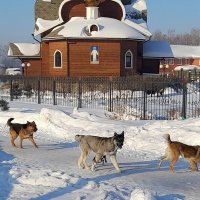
(57, 59)
(171, 61)
(128, 59)
(179, 61)
(187, 61)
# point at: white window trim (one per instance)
(57, 50)
(129, 51)
(187, 61)
(180, 59)
(171, 61)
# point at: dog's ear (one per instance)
(122, 133)
(115, 134)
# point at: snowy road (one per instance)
(54, 164)
(51, 172)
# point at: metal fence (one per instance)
(134, 97)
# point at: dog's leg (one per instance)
(104, 159)
(33, 141)
(173, 161)
(161, 160)
(194, 165)
(114, 162)
(96, 159)
(13, 138)
(21, 141)
(84, 159)
(80, 161)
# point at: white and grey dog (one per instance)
(101, 146)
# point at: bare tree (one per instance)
(192, 38)
(5, 60)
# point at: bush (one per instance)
(4, 105)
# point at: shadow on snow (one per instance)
(127, 169)
(5, 178)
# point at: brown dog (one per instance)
(176, 149)
(24, 131)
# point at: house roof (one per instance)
(185, 51)
(24, 50)
(48, 15)
(79, 27)
(157, 49)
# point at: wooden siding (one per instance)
(45, 58)
(76, 55)
(62, 47)
(79, 58)
(34, 69)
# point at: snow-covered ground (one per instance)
(51, 172)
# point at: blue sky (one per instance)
(17, 18)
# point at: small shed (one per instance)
(153, 52)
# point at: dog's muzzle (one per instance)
(119, 144)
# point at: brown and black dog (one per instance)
(176, 149)
(24, 131)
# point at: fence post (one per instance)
(144, 105)
(110, 108)
(184, 104)
(79, 93)
(38, 86)
(54, 92)
(11, 90)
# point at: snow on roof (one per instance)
(187, 68)
(139, 28)
(79, 27)
(157, 49)
(134, 11)
(185, 51)
(24, 49)
(44, 25)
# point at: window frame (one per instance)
(57, 51)
(181, 61)
(187, 61)
(131, 56)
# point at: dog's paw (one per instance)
(93, 168)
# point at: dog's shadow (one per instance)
(146, 166)
(57, 146)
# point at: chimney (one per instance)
(92, 12)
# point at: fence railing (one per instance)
(134, 97)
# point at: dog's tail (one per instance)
(9, 122)
(78, 137)
(167, 138)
